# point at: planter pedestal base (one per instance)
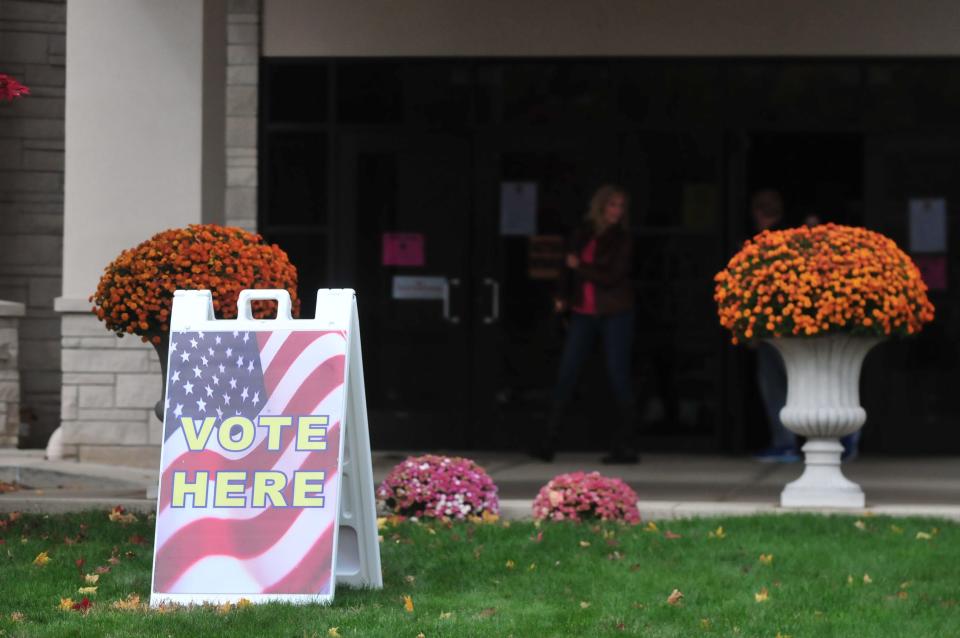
(822, 484)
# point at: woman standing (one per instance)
(598, 292)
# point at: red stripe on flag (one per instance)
(292, 348)
(312, 574)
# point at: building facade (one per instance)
(334, 127)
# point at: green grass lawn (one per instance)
(829, 576)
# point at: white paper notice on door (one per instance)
(928, 225)
(518, 208)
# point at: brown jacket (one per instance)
(610, 271)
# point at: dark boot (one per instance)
(623, 444)
(543, 447)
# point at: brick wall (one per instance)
(32, 47)
(243, 54)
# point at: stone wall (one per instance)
(9, 373)
(110, 386)
(243, 55)
(32, 48)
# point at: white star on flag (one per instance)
(188, 387)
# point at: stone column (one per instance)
(144, 152)
(10, 312)
(243, 57)
(32, 43)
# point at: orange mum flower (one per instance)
(135, 293)
(821, 280)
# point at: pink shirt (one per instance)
(589, 304)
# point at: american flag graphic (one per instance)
(247, 550)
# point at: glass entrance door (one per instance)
(520, 253)
(407, 207)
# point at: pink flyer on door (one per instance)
(403, 249)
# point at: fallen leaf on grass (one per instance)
(66, 604)
(14, 516)
(420, 635)
(532, 567)
(762, 596)
(717, 533)
(87, 590)
(675, 597)
(766, 559)
(446, 615)
(584, 604)
(131, 602)
(584, 543)
(137, 539)
(408, 604)
(91, 579)
(651, 527)
(866, 579)
(42, 559)
(705, 623)
(670, 536)
(924, 536)
(615, 556)
(486, 613)
(83, 606)
(860, 525)
(538, 538)
(17, 616)
(849, 579)
(120, 515)
(333, 633)
(410, 579)
(102, 569)
(510, 564)
(113, 560)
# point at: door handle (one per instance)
(494, 300)
(447, 285)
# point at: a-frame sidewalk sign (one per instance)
(266, 482)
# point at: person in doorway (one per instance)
(597, 291)
(767, 212)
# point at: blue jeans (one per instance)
(772, 379)
(582, 333)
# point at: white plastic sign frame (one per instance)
(355, 557)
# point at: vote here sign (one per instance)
(249, 492)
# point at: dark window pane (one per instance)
(913, 94)
(814, 94)
(297, 92)
(296, 167)
(370, 92)
(666, 93)
(545, 92)
(438, 92)
(308, 252)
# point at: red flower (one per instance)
(10, 88)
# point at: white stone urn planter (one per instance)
(823, 404)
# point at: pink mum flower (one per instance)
(438, 487)
(578, 496)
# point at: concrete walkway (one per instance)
(669, 486)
